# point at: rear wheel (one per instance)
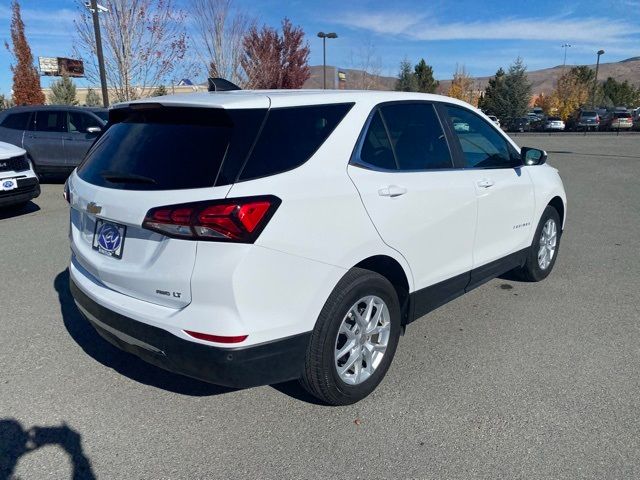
(354, 340)
(544, 250)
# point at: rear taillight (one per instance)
(231, 220)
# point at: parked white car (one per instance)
(554, 124)
(254, 237)
(495, 120)
(18, 181)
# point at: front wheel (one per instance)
(354, 340)
(544, 250)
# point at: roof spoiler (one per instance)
(221, 85)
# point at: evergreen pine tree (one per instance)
(518, 90)
(425, 82)
(160, 91)
(93, 99)
(406, 78)
(63, 92)
(495, 97)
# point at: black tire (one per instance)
(320, 377)
(531, 270)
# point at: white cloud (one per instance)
(421, 27)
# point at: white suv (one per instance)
(255, 237)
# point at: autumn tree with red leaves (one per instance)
(274, 60)
(26, 81)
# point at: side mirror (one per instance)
(94, 130)
(533, 156)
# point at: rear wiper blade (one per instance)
(121, 177)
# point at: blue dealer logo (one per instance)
(109, 238)
(8, 184)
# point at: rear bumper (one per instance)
(28, 188)
(267, 363)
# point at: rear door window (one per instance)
(417, 136)
(51, 121)
(16, 121)
(290, 136)
(168, 148)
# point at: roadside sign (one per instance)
(59, 66)
(48, 65)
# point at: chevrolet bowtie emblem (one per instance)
(93, 208)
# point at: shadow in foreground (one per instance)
(17, 210)
(124, 363)
(15, 442)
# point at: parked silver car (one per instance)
(56, 137)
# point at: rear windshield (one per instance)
(169, 148)
(554, 119)
(588, 114)
(622, 115)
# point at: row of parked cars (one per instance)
(43, 140)
(581, 120)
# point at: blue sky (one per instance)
(481, 35)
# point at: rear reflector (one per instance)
(216, 338)
(229, 220)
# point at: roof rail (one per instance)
(221, 85)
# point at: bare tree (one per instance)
(366, 59)
(220, 29)
(144, 42)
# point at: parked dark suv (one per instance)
(56, 137)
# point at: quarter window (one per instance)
(16, 121)
(482, 146)
(290, 136)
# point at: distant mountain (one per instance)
(543, 81)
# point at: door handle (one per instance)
(485, 183)
(392, 191)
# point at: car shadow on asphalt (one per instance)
(11, 212)
(136, 369)
(15, 442)
(122, 362)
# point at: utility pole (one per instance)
(93, 8)
(564, 63)
(324, 37)
(595, 80)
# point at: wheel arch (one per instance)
(393, 271)
(557, 203)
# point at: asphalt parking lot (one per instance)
(513, 380)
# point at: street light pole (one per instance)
(324, 37)
(595, 80)
(96, 29)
